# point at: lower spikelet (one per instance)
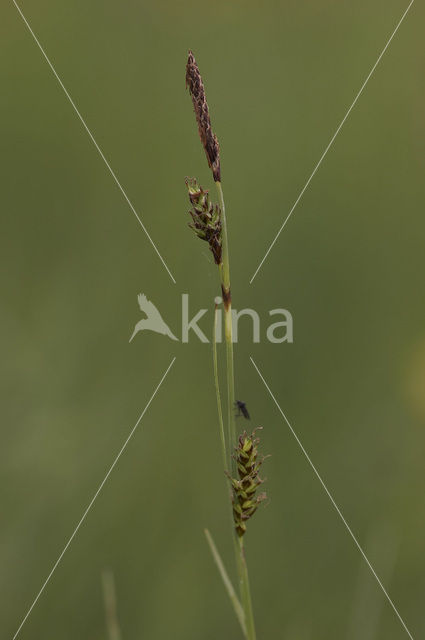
(244, 499)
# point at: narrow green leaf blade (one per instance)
(226, 581)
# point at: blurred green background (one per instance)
(349, 266)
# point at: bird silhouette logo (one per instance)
(153, 321)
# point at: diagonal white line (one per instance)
(331, 142)
(333, 501)
(83, 517)
(111, 171)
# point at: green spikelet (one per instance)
(206, 218)
(244, 499)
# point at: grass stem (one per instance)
(228, 333)
(228, 327)
(227, 583)
(246, 594)
(217, 390)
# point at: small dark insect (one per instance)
(242, 410)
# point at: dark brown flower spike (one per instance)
(200, 105)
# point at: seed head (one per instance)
(200, 105)
(244, 499)
(206, 217)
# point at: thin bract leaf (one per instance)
(227, 583)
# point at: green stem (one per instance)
(228, 328)
(228, 332)
(246, 594)
(227, 583)
(217, 390)
(225, 462)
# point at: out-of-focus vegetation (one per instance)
(349, 266)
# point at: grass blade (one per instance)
(227, 583)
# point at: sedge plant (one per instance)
(241, 458)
